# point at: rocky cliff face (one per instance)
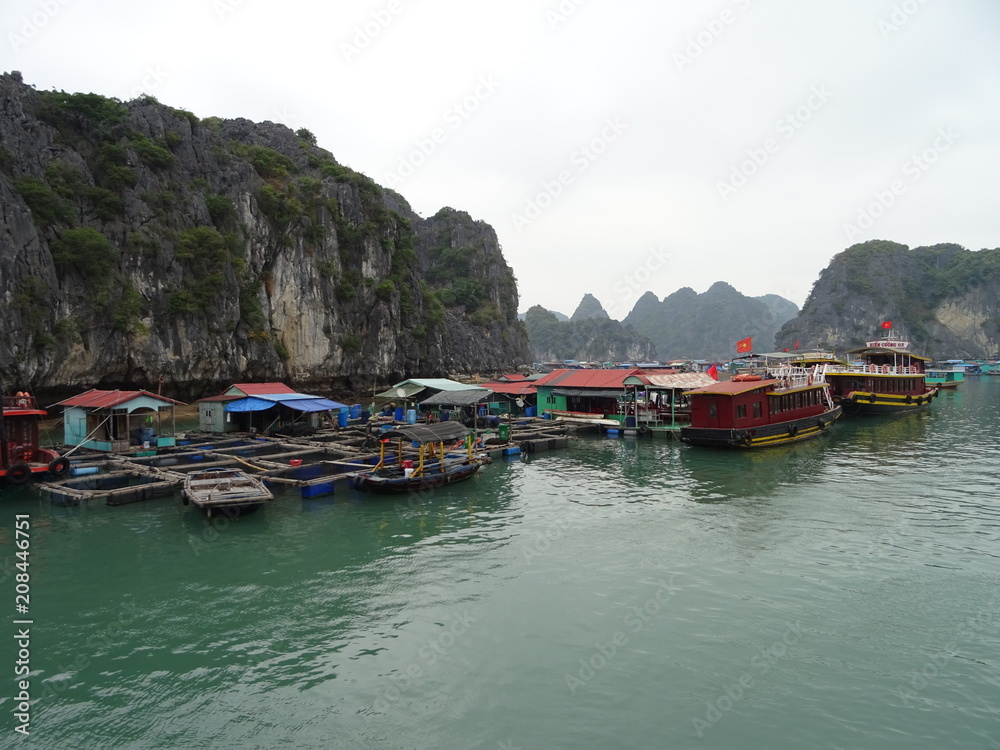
(944, 298)
(140, 244)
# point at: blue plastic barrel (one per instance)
(445, 416)
(342, 418)
(355, 411)
(530, 411)
(411, 416)
(365, 416)
(399, 414)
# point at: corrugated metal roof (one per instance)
(586, 378)
(681, 380)
(98, 399)
(464, 397)
(734, 387)
(260, 389)
(520, 388)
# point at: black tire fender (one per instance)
(59, 467)
(19, 473)
(793, 430)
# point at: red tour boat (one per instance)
(20, 455)
(784, 405)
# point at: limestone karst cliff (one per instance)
(944, 298)
(140, 243)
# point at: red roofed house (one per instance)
(115, 421)
(212, 410)
(634, 398)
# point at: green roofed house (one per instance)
(415, 390)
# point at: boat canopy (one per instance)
(439, 432)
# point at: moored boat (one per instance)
(782, 406)
(21, 456)
(945, 375)
(433, 466)
(229, 492)
(882, 377)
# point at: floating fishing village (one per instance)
(124, 446)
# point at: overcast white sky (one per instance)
(616, 147)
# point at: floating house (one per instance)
(266, 407)
(460, 405)
(415, 390)
(119, 421)
(515, 393)
(635, 399)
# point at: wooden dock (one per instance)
(317, 463)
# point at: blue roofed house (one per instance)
(264, 407)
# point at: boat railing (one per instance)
(799, 377)
(23, 401)
(870, 369)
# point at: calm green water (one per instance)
(618, 594)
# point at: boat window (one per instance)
(756, 409)
(741, 411)
(712, 414)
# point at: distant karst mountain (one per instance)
(686, 324)
(944, 298)
(591, 339)
(590, 309)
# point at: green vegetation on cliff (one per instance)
(211, 249)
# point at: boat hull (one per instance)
(391, 485)
(763, 436)
(881, 404)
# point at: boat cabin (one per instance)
(20, 452)
(745, 404)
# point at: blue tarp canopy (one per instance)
(298, 401)
(315, 404)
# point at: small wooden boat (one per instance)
(785, 405)
(433, 465)
(229, 492)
